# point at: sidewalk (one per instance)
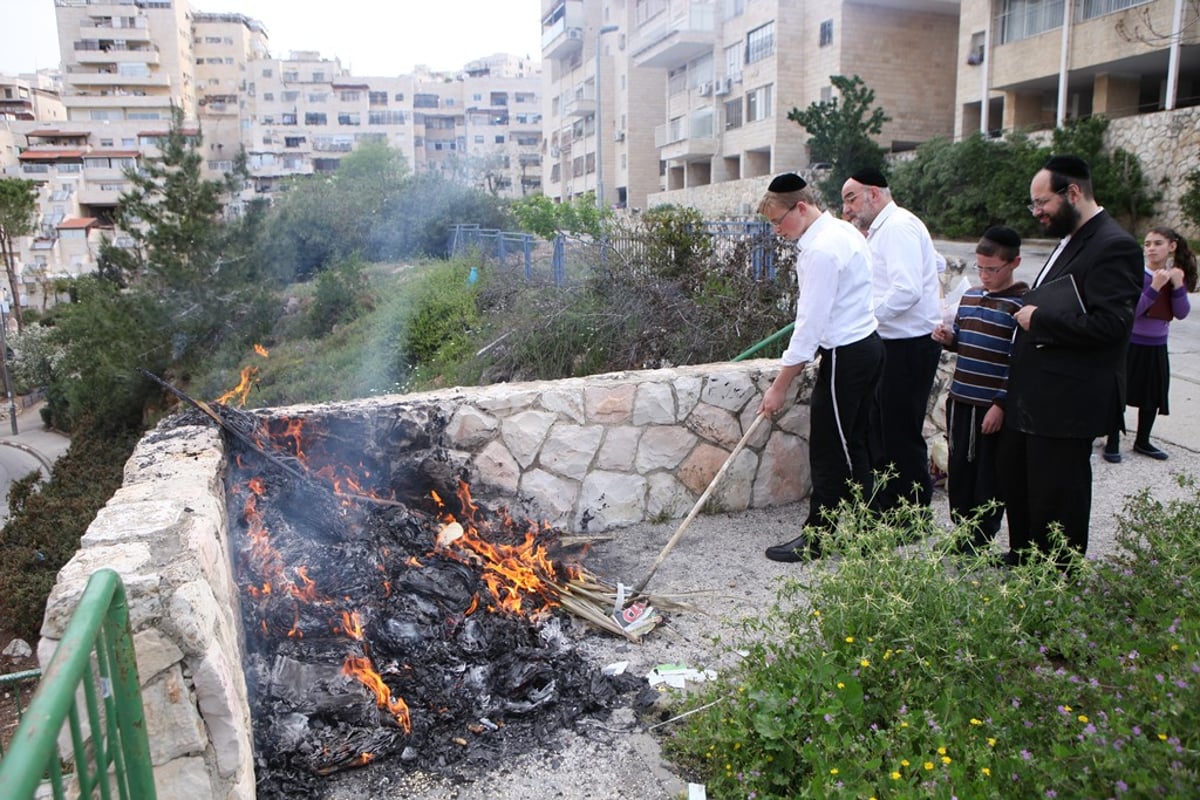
(31, 448)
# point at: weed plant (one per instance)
(898, 672)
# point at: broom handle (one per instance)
(696, 508)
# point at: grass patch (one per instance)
(905, 672)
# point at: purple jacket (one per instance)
(1151, 331)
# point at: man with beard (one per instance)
(1066, 383)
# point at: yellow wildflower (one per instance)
(975, 721)
(941, 751)
(849, 640)
(986, 771)
(928, 765)
(864, 663)
(1083, 718)
(895, 776)
(945, 759)
(904, 762)
(833, 771)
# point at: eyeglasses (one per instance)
(992, 270)
(1037, 205)
(850, 198)
(775, 223)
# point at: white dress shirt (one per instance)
(907, 296)
(833, 299)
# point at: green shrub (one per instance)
(911, 674)
(47, 521)
(1190, 201)
(341, 295)
(442, 316)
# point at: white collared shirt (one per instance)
(905, 280)
(833, 297)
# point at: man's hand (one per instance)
(1025, 316)
(943, 334)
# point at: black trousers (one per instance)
(844, 442)
(1044, 480)
(972, 475)
(907, 382)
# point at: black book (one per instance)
(1059, 296)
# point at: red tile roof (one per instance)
(78, 222)
(50, 155)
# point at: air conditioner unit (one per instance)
(554, 151)
(724, 86)
(619, 136)
(575, 33)
(704, 89)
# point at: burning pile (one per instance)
(424, 628)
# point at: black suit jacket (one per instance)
(1067, 373)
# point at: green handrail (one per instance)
(774, 337)
(117, 749)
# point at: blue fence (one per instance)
(526, 252)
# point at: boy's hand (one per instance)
(943, 334)
(993, 420)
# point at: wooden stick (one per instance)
(637, 590)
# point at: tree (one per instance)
(840, 133)
(18, 211)
(1117, 177)
(1189, 202)
(578, 217)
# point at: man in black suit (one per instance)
(1066, 381)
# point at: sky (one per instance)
(370, 37)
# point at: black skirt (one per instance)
(1147, 377)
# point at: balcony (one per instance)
(90, 53)
(686, 139)
(672, 39)
(114, 79)
(91, 29)
(580, 106)
(562, 30)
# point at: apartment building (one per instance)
(127, 65)
(1041, 62)
(697, 92)
(31, 97)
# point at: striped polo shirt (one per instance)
(983, 334)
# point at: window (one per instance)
(700, 70)
(290, 75)
(760, 43)
(758, 103)
(314, 118)
(1021, 19)
(349, 96)
(318, 97)
(267, 72)
(734, 8)
(826, 35)
(348, 118)
(318, 77)
(646, 10)
(387, 117)
(500, 139)
(293, 141)
(289, 97)
(733, 60)
(733, 114)
(425, 101)
(399, 97)
(975, 52)
(268, 97)
(377, 98)
(1090, 9)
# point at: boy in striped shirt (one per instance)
(982, 336)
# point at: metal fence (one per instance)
(516, 250)
(109, 749)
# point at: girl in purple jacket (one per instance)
(1170, 275)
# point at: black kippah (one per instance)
(787, 182)
(1070, 166)
(870, 177)
(1003, 236)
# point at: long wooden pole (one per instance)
(733, 454)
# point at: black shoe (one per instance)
(1149, 450)
(1113, 458)
(798, 549)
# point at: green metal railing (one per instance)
(112, 759)
(786, 330)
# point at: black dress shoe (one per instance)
(1149, 450)
(798, 549)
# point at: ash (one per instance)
(367, 644)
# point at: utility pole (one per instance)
(12, 405)
(599, 127)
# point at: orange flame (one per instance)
(362, 670)
(262, 351)
(352, 625)
(522, 578)
(242, 390)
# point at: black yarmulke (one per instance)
(1070, 166)
(1003, 236)
(870, 177)
(787, 182)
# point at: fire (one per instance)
(262, 351)
(242, 390)
(363, 671)
(523, 579)
(351, 625)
